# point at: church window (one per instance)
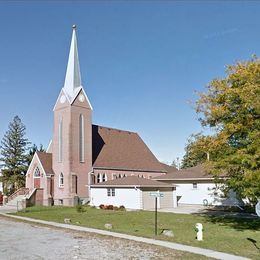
(61, 180)
(60, 139)
(104, 177)
(98, 178)
(81, 138)
(119, 176)
(36, 173)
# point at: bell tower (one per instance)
(72, 134)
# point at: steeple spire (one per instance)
(73, 78)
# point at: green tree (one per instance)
(32, 150)
(13, 156)
(196, 151)
(231, 107)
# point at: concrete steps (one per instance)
(16, 200)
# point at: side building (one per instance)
(195, 186)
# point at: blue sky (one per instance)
(141, 62)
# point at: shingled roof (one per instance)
(169, 168)
(117, 149)
(192, 173)
(46, 161)
(132, 181)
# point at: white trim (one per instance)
(71, 100)
(58, 99)
(39, 161)
(49, 145)
(81, 138)
(61, 185)
(36, 177)
(60, 139)
(81, 88)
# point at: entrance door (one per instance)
(37, 183)
(37, 178)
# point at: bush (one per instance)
(102, 206)
(122, 207)
(110, 207)
(80, 208)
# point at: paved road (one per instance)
(19, 240)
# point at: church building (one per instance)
(82, 154)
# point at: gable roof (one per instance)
(192, 173)
(132, 181)
(46, 161)
(169, 168)
(117, 149)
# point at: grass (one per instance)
(231, 235)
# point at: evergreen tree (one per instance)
(33, 149)
(13, 156)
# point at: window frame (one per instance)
(104, 177)
(194, 185)
(36, 170)
(111, 192)
(60, 140)
(61, 180)
(81, 139)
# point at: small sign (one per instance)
(157, 194)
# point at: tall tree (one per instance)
(231, 106)
(197, 150)
(13, 156)
(32, 150)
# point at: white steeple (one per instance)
(73, 79)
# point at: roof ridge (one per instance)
(115, 129)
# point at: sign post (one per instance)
(156, 195)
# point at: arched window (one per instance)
(36, 173)
(124, 175)
(60, 139)
(81, 138)
(119, 176)
(104, 177)
(61, 180)
(98, 178)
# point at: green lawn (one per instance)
(231, 235)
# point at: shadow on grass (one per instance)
(237, 222)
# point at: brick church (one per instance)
(80, 153)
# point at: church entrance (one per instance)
(37, 183)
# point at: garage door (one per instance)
(148, 201)
(167, 200)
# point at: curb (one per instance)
(170, 245)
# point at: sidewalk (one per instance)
(8, 209)
(175, 246)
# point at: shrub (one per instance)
(122, 207)
(110, 207)
(80, 208)
(101, 206)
